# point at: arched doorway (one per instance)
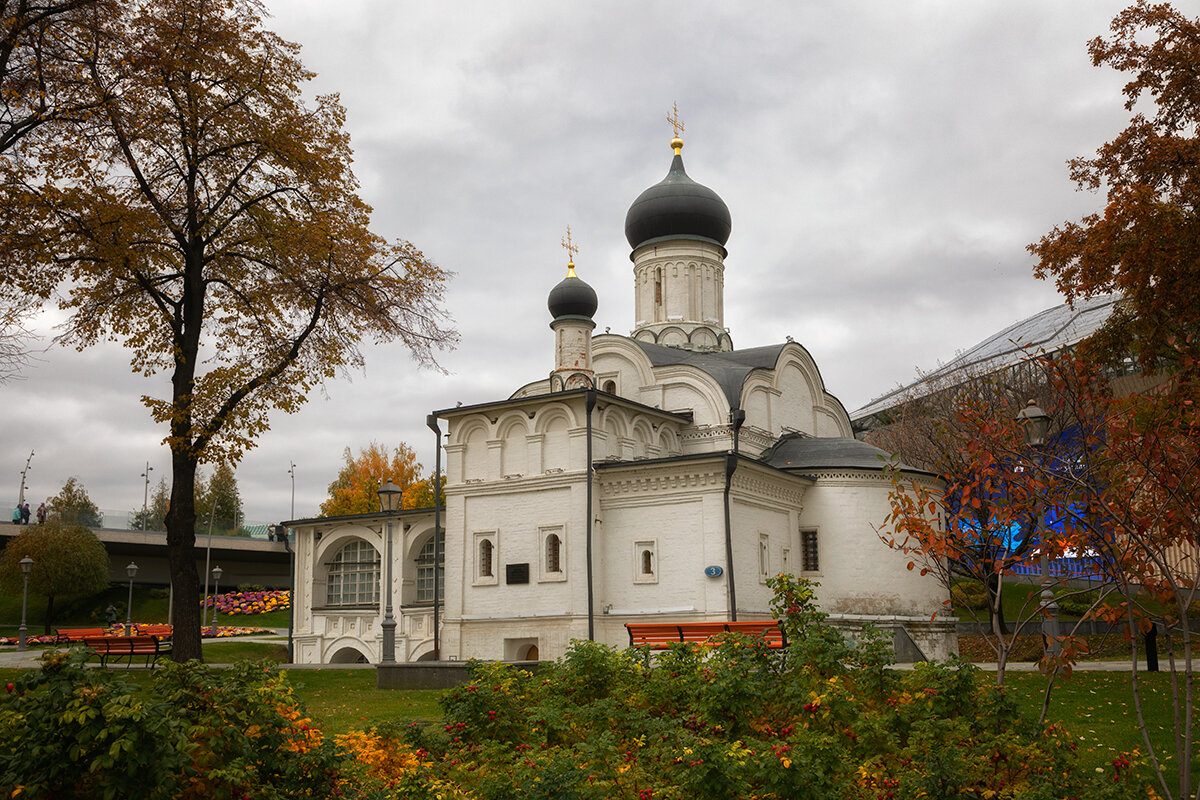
(349, 655)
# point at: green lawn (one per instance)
(345, 700)
(229, 651)
(1098, 708)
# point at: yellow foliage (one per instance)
(356, 488)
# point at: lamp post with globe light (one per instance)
(216, 575)
(389, 503)
(1036, 424)
(130, 570)
(146, 494)
(26, 566)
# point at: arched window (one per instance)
(647, 562)
(610, 387)
(353, 576)
(485, 558)
(425, 571)
(553, 553)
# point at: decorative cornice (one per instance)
(657, 483)
(481, 486)
(764, 487)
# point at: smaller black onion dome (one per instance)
(572, 297)
(675, 206)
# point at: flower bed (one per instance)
(223, 631)
(250, 602)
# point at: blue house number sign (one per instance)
(713, 571)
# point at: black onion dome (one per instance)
(572, 297)
(677, 205)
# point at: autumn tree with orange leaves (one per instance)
(205, 215)
(1143, 503)
(993, 510)
(1125, 487)
(356, 488)
(1145, 244)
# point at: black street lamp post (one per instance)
(1036, 424)
(130, 570)
(26, 566)
(146, 495)
(216, 574)
(389, 503)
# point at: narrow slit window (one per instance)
(485, 558)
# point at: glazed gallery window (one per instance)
(425, 571)
(810, 559)
(353, 576)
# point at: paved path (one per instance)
(11, 658)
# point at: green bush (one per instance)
(71, 732)
(969, 596)
(735, 719)
(1076, 604)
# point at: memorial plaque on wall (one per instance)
(516, 573)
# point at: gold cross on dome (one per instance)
(571, 249)
(674, 119)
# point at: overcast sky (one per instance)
(885, 163)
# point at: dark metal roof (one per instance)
(728, 368)
(797, 452)
(675, 206)
(572, 297)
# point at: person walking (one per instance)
(17, 514)
(25, 514)
(41, 514)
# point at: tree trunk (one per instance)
(49, 618)
(995, 609)
(181, 556)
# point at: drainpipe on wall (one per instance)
(590, 404)
(737, 417)
(431, 421)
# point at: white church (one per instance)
(660, 476)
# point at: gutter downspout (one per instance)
(737, 416)
(280, 529)
(590, 404)
(431, 421)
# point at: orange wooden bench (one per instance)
(70, 635)
(127, 647)
(660, 635)
(160, 630)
